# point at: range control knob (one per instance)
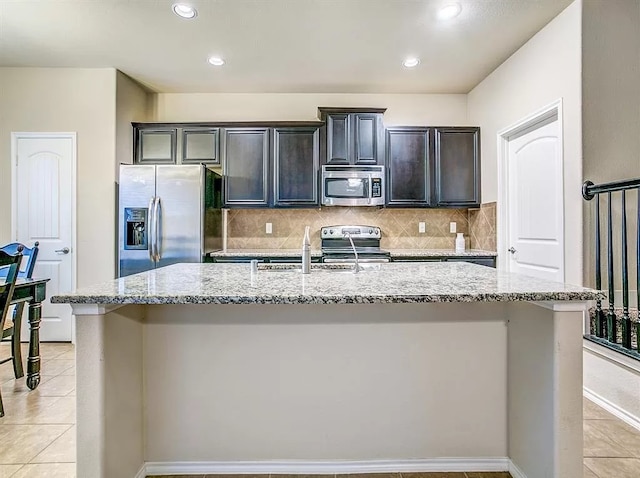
(330, 231)
(325, 232)
(370, 231)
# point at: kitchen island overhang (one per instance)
(423, 367)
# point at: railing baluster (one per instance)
(612, 329)
(626, 321)
(619, 330)
(599, 313)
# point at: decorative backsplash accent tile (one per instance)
(246, 227)
(482, 224)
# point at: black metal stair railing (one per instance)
(609, 328)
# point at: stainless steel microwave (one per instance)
(352, 185)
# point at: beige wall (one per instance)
(545, 69)
(610, 114)
(68, 100)
(402, 109)
(132, 102)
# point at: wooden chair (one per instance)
(12, 264)
(12, 327)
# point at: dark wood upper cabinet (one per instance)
(246, 166)
(352, 136)
(457, 166)
(200, 145)
(296, 164)
(155, 145)
(175, 143)
(338, 139)
(408, 154)
(366, 128)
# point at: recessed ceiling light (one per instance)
(449, 11)
(183, 10)
(411, 62)
(216, 61)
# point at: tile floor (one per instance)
(37, 433)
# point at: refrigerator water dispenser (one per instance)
(135, 232)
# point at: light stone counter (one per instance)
(263, 253)
(318, 253)
(441, 253)
(379, 283)
(198, 369)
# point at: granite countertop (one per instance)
(381, 283)
(318, 253)
(263, 253)
(441, 253)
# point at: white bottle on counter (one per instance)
(306, 252)
(459, 242)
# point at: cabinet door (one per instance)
(200, 145)
(295, 161)
(155, 145)
(365, 133)
(246, 167)
(408, 167)
(457, 166)
(338, 139)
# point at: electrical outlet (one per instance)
(452, 227)
(269, 228)
(422, 227)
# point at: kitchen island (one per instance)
(210, 368)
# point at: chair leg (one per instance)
(16, 350)
(1, 406)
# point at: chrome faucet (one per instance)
(356, 268)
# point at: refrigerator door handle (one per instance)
(158, 229)
(150, 230)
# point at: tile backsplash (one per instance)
(482, 227)
(246, 227)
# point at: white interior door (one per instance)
(535, 202)
(43, 210)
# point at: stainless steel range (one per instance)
(338, 243)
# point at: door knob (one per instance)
(64, 250)
(511, 250)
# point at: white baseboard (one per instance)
(327, 467)
(612, 408)
(515, 471)
(142, 472)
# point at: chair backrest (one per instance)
(28, 262)
(12, 264)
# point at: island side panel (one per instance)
(110, 393)
(229, 383)
(545, 390)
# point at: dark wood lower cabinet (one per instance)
(246, 167)
(296, 164)
(487, 261)
(408, 167)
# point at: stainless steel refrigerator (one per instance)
(167, 214)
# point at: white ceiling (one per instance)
(320, 46)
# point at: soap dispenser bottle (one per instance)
(459, 242)
(306, 252)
